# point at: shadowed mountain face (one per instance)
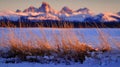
(118, 13)
(46, 8)
(18, 11)
(84, 10)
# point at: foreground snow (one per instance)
(58, 65)
(26, 64)
(106, 59)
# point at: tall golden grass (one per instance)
(65, 45)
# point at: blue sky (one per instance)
(96, 5)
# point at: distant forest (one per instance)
(61, 24)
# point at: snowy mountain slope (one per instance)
(79, 17)
(1, 18)
(43, 16)
(106, 17)
(10, 15)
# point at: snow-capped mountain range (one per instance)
(46, 12)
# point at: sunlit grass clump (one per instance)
(62, 48)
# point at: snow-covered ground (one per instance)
(91, 36)
(25, 64)
(88, 35)
(108, 59)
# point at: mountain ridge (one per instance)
(46, 12)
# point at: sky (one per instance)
(96, 6)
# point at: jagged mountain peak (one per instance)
(85, 11)
(46, 8)
(18, 11)
(31, 9)
(45, 4)
(66, 9)
(31, 6)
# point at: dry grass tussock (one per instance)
(65, 45)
